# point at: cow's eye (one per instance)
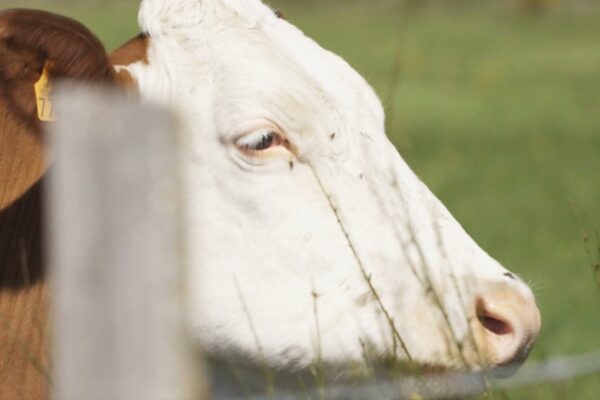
(260, 140)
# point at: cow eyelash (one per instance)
(260, 141)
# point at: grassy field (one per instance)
(499, 113)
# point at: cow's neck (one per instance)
(23, 304)
(23, 321)
(24, 325)
(23, 354)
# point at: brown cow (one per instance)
(29, 41)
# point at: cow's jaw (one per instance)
(328, 249)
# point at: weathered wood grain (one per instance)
(116, 253)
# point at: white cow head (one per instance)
(309, 236)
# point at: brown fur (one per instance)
(135, 50)
(28, 41)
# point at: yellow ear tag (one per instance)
(43, 91)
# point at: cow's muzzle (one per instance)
(506, 325)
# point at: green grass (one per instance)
(499, 113)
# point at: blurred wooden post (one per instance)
(116, 253)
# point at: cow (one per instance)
(29, 41)
(309, 237)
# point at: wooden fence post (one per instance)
(115, 247)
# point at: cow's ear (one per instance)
(31, 41)
(66, 46)
(17, 63)
(134, 51)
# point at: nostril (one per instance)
(495, 325)
(506, 324)
(491, 321)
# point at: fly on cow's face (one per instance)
(509, 275)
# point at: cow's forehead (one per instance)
(330, 72)
(282, 65)
(249, 34)
(159, 17)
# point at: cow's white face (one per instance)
(309, 236)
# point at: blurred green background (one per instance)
(496, 106)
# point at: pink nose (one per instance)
(508, 322)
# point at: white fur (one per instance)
(263, 236)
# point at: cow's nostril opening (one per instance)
(491, 321)
(494, 325)
(505, 324)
